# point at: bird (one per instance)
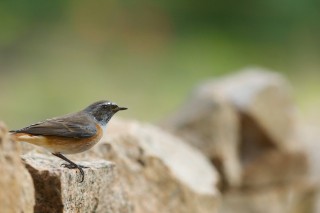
(71, 133)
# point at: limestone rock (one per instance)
(296, 197)
(246, 123)
(311, 133)
(270, 151)
(160, 172)
(269, 159)
(58, 189)
(274, 167)
(265, 98)
(209, 122)
(17, 191)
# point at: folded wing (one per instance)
(71, 126)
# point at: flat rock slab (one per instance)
(58, 189)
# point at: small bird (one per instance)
(71, 133)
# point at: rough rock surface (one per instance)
(17, 192)
(246, 124)
(160, 172)
(209, 122)
(274, 167)
(265, 98)
(260, 124)
(264, 147)
(58, 189)
(311, 133)
(295, 197)
(270, 151)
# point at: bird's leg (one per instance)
(71, 164)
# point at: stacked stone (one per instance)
(247, 125)
(234, 146)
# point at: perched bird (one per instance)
(72, 133)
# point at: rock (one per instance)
(210, 123)
(274, 167)
(58, 189)
(254, 136)
(17, 191)
(311, 133)
(270, 151)
(264, 97)
(159, 171)
(245, 123)
(289, 198)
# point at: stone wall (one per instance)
(236, 145)
(248, 125)
(17, 191)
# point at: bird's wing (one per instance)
(71, 126)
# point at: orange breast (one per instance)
(63, 145)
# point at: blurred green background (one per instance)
(59, 56)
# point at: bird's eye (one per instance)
(105, 105)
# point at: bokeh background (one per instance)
(59, 56)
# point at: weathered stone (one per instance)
(209, 122)
(270, 151)
(310, 132)
(267, 150)
(264, 97)
(297, 197)
(274, 167)
(17, 192)
(246, 123)
(160, 172)
(58, 189)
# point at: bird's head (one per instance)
(102, 111)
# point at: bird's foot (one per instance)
(75, 166)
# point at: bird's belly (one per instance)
(70, 145)
(58, 144)
(65, 145)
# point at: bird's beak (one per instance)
(122, 108)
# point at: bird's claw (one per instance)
(75, 166)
